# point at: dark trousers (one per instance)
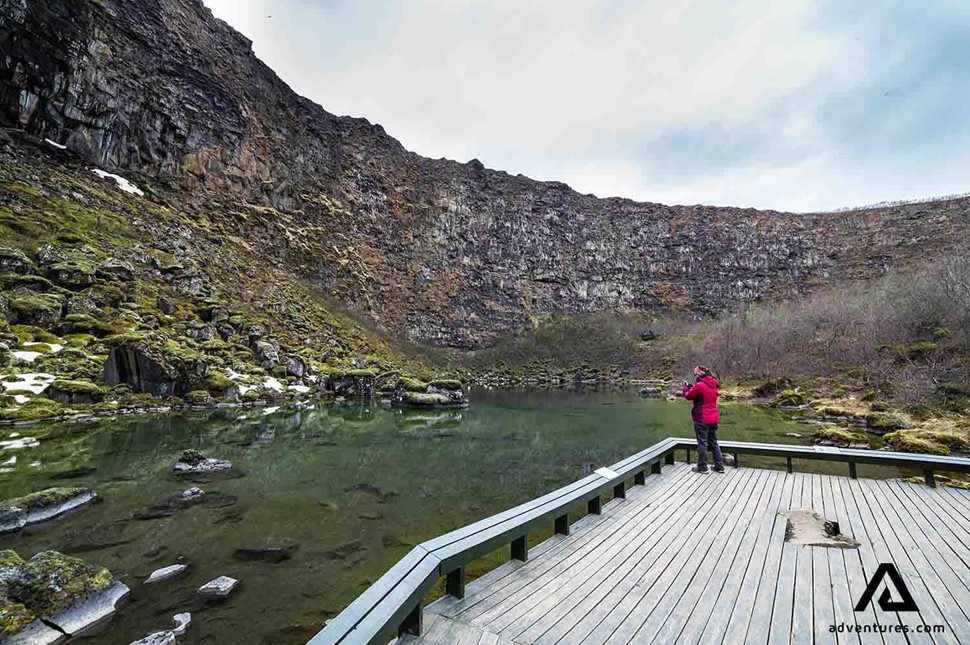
(707, 440)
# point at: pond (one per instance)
(353, 486)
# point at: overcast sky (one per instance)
(787, 104)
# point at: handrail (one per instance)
(393, 605)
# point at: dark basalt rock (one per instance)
(149, 365)
(275, 554)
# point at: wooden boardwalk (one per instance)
(690, 558)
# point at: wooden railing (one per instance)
(393, 605)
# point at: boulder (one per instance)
(165, 306)
(14, 261)
(59, 592)
(193, 462)
(42, 506)
(295, 366)
(218, 589)
(266, 354)
(114, 269)
(153, 365)
(79, 391)
(72, 274)
(26, 307)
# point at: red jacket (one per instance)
(704, 395)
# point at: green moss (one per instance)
(85, 324)
(363, 372)
(35, 308)
(14, 616)
(43, 498)
(52, 581)
(34, 409)
(954, 390)
(13, 281)
(841, 437)
(789, 398)
(425, 399)
(773, 386)
(913, 441)
(77, 387)
(217, 381)
(198, 397)
(192, 456)
(9, 558)
(880, 421)
(31, 334)
(412, 385)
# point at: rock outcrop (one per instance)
(442, 252)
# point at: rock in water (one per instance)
(166, 573)
(275, 553)
(193, 462)
(54, 592)
(158, 638)
(219, 588)
(41, 506)
(182, 622)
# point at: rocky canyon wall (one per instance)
(442, 252)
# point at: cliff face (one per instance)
(447, 253)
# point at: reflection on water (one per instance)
(353, 486)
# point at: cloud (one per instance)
(793, 105)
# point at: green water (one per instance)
(354, 486)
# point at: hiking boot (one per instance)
(719, 470)
(697, 469)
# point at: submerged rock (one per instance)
(166, 573)
(218, 589)
(53, 592)
(275, 553)
(182, 622)
(158, 638)
(41, 506)
(194, 462)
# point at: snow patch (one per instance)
(302, 389)
(233, 375)
(35, 382)
(271, 410)
(55, 144)
(20, 398)
(123, 183)
(272, 383)
(26, 357)
(10, 462)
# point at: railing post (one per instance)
(788, 465)
(619, 491)
(562, 525)
(414, 622)
(640, 478)
(929, 478)
(688, 455)
(655, 467)
(593, 506)
(670, 458)
(520, 548)
(852, 472)
(737, 463)
(455, 583)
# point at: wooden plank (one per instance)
(601, 615)
(767, 585)
(559, 580)
(803, 604)
(653, 603)
(524, 581)
(947, 589)
(954, 530)
(871, 552)
(709, 618)
(849, 582)
(887, 549)
(823, 601)
(585, 602)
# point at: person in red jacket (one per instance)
(706, 417)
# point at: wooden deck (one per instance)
(690, 558)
